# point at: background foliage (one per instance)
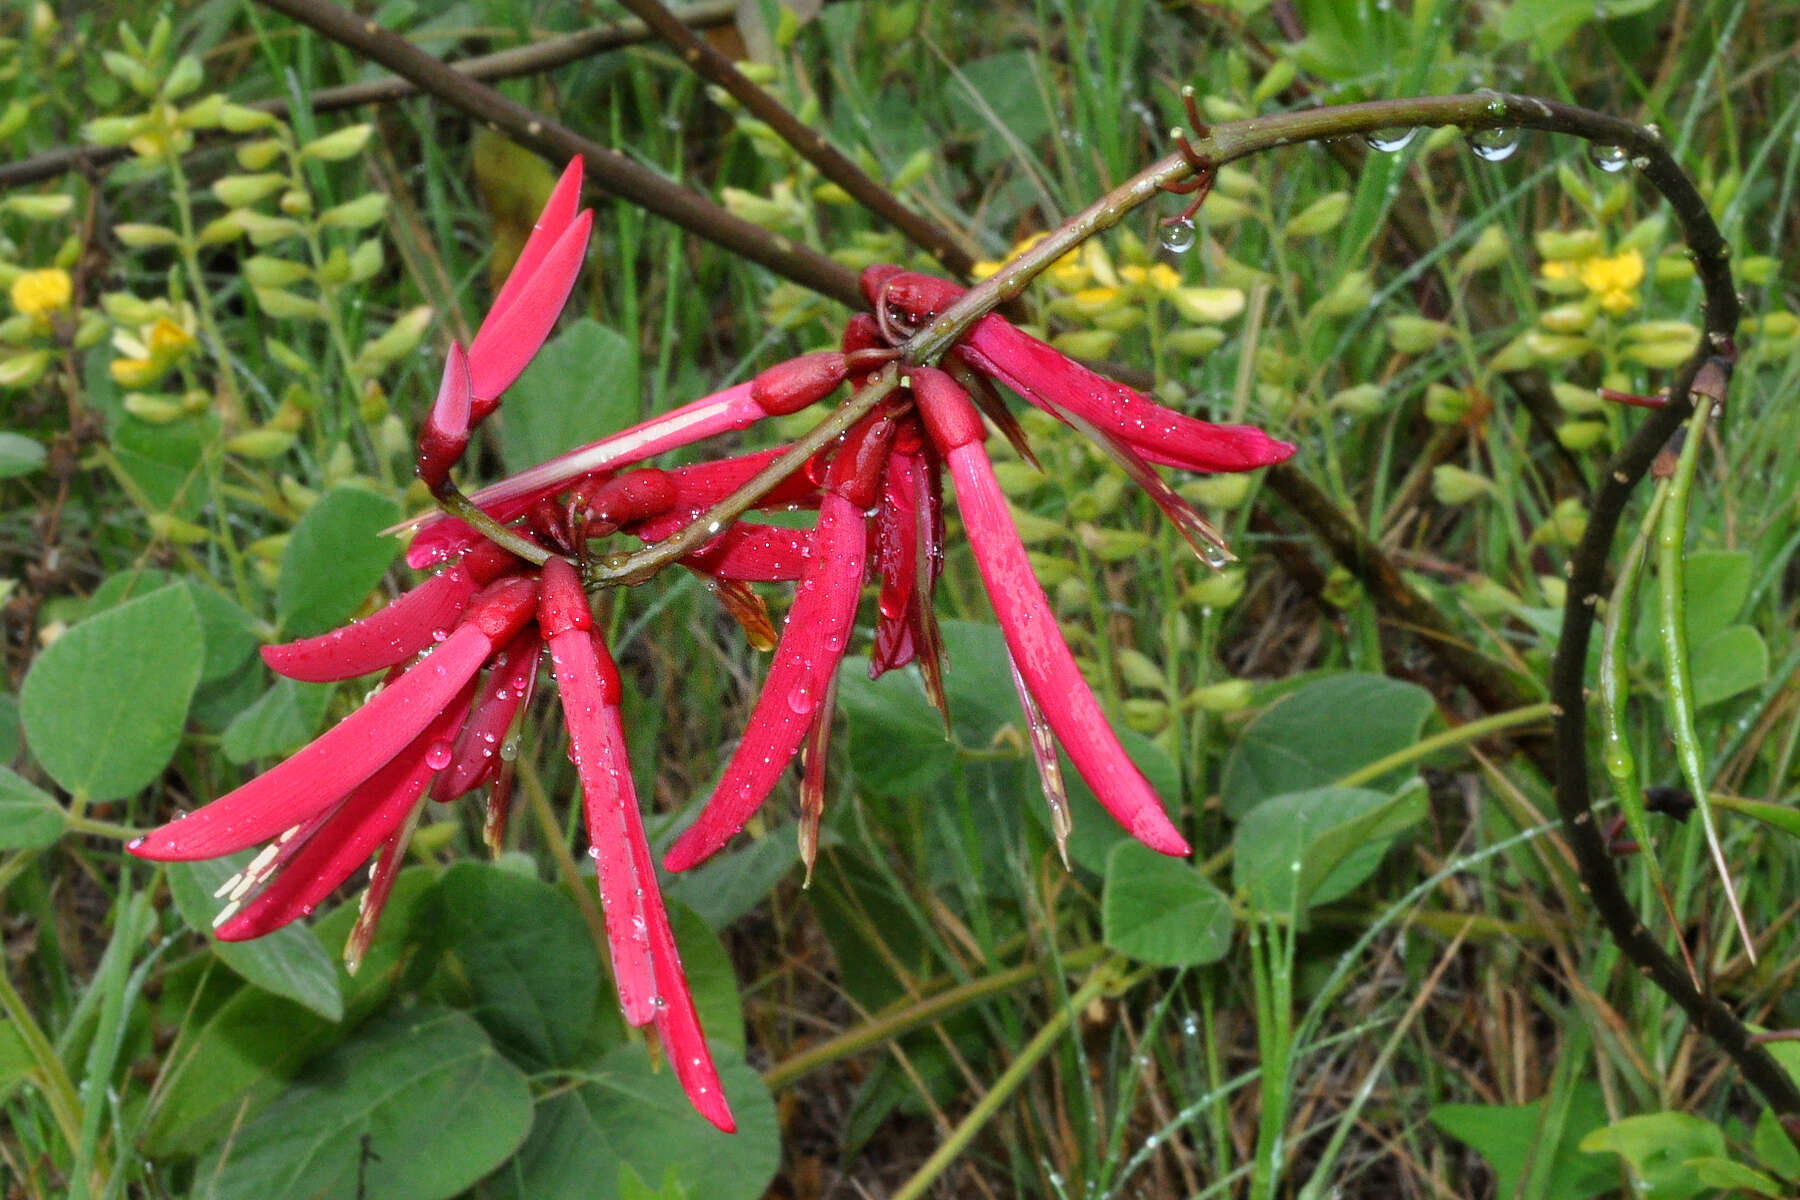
(1378, 976)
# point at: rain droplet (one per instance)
(438, 635)
(1388, 141)
(509, 749)
(1494, 145)
(801, 699)
(1178, 236)
(438, 755)
(1611, 159)
(1215, 557)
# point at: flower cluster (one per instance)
(461, 651)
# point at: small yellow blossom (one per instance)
(1613, 280)
(40, 293)
(148, 360)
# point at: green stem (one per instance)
(894, 1022)
(49, 1073)
(1470, 731)
(1109, 975)
(1671, 569)
(190, 262)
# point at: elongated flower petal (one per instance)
(327, 855)
(753, 553)
(445, 434)
(558, 215)
(477, 753)
(442, 537)
(395, 633)
(503, 347)
(589, 684)
(1029, 626)
(811, 645)
(318, 776)
(1058, 384)
(676, 1021)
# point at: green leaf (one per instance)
(731, 884)
(1723, 1173)
(30, 818)
(897, 746)
(283, 719)
(418, 1104)
(632, 1115)
(334, 559)
(289, 962)
(581, 386)
(16, 1062)
(225, 627)
(10, 741)
(1732, 660)
(527, 959)
(1774, 1149)
(229, 1068)
(19, 455)
(1305, 848)
(1161, 910)
(1659, 1147)
(1320, 733)
(105, 703)
(1511, 1138)
(1715, 586)
(163, 461)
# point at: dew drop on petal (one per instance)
(439, 754)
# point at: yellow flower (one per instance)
(148, 360)
(1614, 280)
(40, 293)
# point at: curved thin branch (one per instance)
(809, 143)
(502, 64)
(610, 170)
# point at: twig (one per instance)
(503, 64)
(809, 143)
(610, 170)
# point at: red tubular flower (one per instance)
(397, 632)
(1061, 386)
(646, 964)
(1037, 646)
(812, 643)
(354, 749)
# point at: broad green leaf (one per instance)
(1732, 660)
(225, 627)
(729, 885)
(30, 818)
(105, 703)
(283, 719)
(163, 461)
(632, 1114)
(227, 1069)
(1774, 1149)
(1305, 848)
(1715, 586)
(10, 741)
(289, 962)
(1511, 1137)
(1161, 910)
(418, 1104)
(1319, 734)
(999, 100)
(1660, 1147)
(897, 746)
(526, 959)
(401, 941)
(15, 1059)
(580, 387)
(334, 559)
(1723, 1173)
(19, 455)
